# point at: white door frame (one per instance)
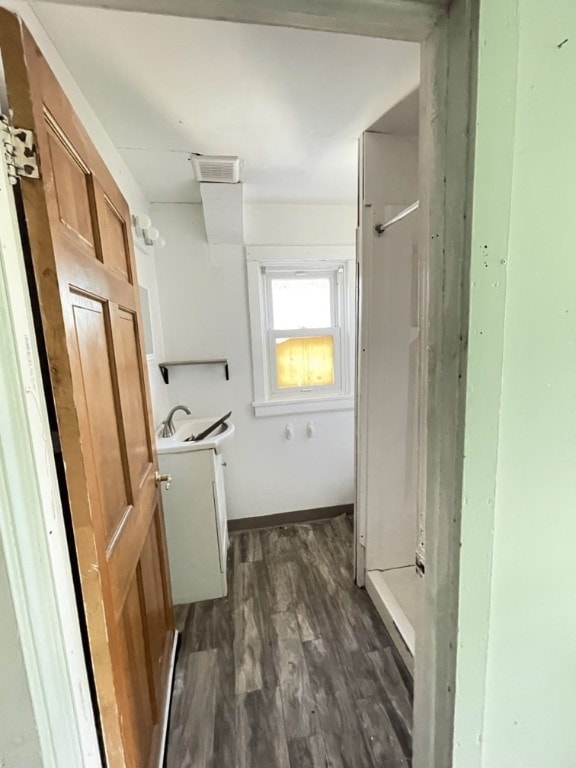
(32, 525)
(446, 154)
(448, 38)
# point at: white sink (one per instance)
(178, 443)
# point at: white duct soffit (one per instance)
(223, 206)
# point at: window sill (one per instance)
(311, 405)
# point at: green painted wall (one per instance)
(516, 673)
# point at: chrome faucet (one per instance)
(167, 429)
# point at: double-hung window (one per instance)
(304, 329)
(302, 318)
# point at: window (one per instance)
(302, 331)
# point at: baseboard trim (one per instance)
(399, 628)
(285, 518)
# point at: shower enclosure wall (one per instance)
(388, 538)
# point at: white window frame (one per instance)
(335, 274)
(263, 264)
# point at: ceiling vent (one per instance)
(217, 168)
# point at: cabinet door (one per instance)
(220, 508)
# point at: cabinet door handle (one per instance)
(163, 479)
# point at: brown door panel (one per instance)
(155, 589)
(80, 240)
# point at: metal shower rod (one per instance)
(381, 228)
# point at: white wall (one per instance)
(275, 224)
(204, 307)
(386, 497)
(146, 268)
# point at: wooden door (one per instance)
(80, 240)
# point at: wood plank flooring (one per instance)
(294, 669)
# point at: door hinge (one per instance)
(19, 146)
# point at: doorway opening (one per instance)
(442, 187)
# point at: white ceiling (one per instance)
(290, 102)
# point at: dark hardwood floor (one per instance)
(294, 669)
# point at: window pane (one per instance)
(301, 303)
(305, 362)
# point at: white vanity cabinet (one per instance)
(196, 524)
